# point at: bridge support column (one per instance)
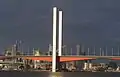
(54, 39)
(85, 66)
(58, 63)
(35, 64)
(60, 34)
(90, 64)
(26, 65)
(63, 65)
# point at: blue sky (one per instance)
(86, 22)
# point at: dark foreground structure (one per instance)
(61, 74)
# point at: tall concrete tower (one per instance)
(60, 34)
(54, 39)
(54, 48)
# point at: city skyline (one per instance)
(90, 23)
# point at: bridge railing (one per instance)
(93, 52)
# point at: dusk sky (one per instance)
(87, 22)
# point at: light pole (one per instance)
(88, 51)
(100, 51)
(71, 51)
(118, 51)
(112, 51)
(94, 51)
(106, 50)
(65, 49)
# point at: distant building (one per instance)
(8, 52)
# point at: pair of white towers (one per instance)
(55, 11)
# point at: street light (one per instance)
(100, 51)
(94, 51)
(118, 51)
(88, 51)
(78, 49)
(71, 51)
(106, 50)
(112, 51)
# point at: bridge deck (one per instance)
(64, 58)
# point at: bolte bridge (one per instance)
(63, 58)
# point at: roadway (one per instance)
(64, 58)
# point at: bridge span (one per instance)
(63, 58)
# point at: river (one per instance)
(62, 74)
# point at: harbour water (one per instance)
(61, 74)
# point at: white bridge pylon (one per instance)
(55, 36)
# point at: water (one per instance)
(91, 74)
(65, 74)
